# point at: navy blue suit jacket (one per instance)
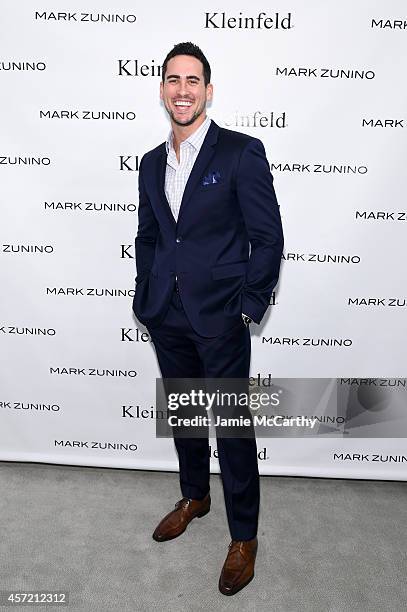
(226, 246)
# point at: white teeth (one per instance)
(182, 103)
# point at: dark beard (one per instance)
(191, 121)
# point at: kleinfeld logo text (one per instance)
(262, 21)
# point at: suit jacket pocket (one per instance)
(228, 270)
(213, 187)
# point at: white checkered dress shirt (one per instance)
(177, 174)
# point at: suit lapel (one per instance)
(204, 156)
(161, 168)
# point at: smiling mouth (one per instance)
(182, 105)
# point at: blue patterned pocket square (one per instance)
(212, 178)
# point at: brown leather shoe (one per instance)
(175, 522)
(238, 569)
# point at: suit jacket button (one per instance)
(178, 239)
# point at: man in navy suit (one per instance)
(208, 253)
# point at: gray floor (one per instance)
(324, 545)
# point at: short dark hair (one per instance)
(188, 48)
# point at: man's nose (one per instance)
(182, 87)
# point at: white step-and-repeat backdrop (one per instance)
(322, 84)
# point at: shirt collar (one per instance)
(195, 139)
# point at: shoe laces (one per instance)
(237, 546)
(183, 503)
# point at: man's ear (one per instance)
(161, 90)
(209, 91)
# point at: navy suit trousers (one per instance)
(182, 353)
